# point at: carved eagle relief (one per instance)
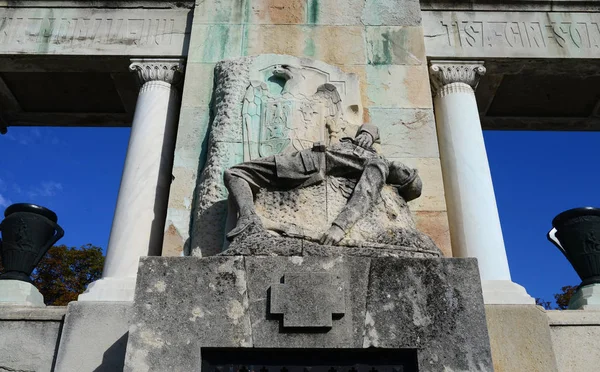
(292, 119)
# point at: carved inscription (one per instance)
(478, 34)
(93, 31)
(509, 34)
(86, 30)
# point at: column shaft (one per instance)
(472, 212)
(142, 203)
(141, 209)
(475, 229)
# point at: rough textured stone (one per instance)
(307, 300)
(182, 303)
(108, 322)
(226, 146)
(258, 242)
(434, 305)
(575, 335)
(29, 337)
(520, 338)
(185, 304)
(347, 331)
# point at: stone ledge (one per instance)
(573, 317)
(31, 313)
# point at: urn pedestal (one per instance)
(576, 232)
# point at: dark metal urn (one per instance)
(28, 231)
(576, 233)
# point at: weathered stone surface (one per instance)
(435, 225)
(398, 86)
(108, 322)
(307, 300)
(395, 45)
(215, 42)
(392, 12)
(511, 34)
(92, 31)
(29, 337)
(432, 197)
(406, 133)
(332, 44)
(182, 303)
(520, 338)
(434, 305)
(351, 273)
(228, 144)
(575, 335)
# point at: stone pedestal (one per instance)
(586, 298)
(428, 307)
(17, 292)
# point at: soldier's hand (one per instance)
(364, 140)
(333, 235)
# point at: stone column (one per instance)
(472, 212)
(138, 224)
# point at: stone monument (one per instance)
(317, 248)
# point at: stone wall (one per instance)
(29, 337)
(380, 41)
(575, 335)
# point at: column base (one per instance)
(586, 298)
(109, 289)
(505, 292)
(20, 293)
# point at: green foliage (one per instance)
(65, 272)
(562, 299)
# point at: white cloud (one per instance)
(4, 202)
(47, 188)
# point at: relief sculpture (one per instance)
(302, 174)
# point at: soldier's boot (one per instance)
(243, 223)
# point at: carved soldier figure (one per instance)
(352, 158)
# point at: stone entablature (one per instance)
(511, 34)
(87, 31)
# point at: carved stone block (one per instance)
(307, 300)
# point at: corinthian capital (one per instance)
(447, 72)
(169, 70)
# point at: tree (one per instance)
(545, 304)
(65, 272)
(562, 299)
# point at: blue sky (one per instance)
(76, 172)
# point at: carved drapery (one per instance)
(455, 76)
(168, 70)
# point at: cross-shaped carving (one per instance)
(307, 300)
